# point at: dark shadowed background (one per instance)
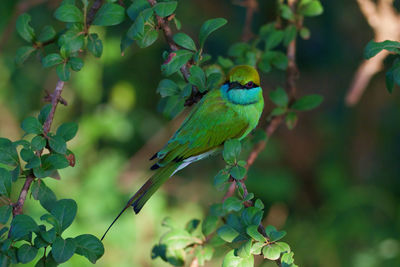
(333, 183)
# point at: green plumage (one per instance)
(230, 112)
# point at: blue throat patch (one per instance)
(241, 96)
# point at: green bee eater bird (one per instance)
(230, 112)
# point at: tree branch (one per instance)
(251, 6)
(10, 28)
(55, 98)
(385, 22)
(164, 25)
(17, 209)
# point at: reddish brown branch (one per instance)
(251, 7)
(385, 22)
(17, 209)
(163, 23)
(55, 98)
(10, 28)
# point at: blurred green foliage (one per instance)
(333, 184)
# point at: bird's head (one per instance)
(242, 86)
(244, 75)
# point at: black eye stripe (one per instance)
(237, 85)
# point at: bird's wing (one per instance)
(208, 126)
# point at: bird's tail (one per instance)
(147, 190)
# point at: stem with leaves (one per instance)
(55, 98)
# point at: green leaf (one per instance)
(290, 34)
(183, 40)
(244, 250)
(49, 236)
(5, 182)
(150, 35)
(287, 260)
(271, 252)
(232, 204)
(176, 239)
(310, 8)
(56, 161)
(273, 234)
(256, 248)
(253, 232)
(291, 120)
(286, 12)
(31, 125)
(47, 34)
(68, 13)
(198, 78)
(305, 33)
(238, 172)
(26, 154)
(71, 41)
(76, 63)
(44, 113)
(67, 130)
(51, 60)
(136, 7)
(39, 242)
(226, 63)
(24, 28)
(178, 24)
(284, 247)
(53, 221)
(62, 250)
(191, 226)
(8, 152)
(38, 142)
(231, 260)
(165, 9)
(221, 178)
(136, 31)
(63, 72)
(64, 211)
(373, 48)
(232, 149)
(5, 213)
(278, 111)
(95, 45)
(167, 87)
(259, 204)
(89, 246)
(279, 97)
(275, 58)
(44, 194)
(390, 80)
(252, 216)
(208, 27)
(22, 225)
(175, 61)
(307, 102)
(209, 224)
(227, 233)
(109, 14)
(26, 253)
(23, 54)
(273, 38)
(57, 144)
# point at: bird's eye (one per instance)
(249, 85)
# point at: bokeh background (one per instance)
(333, 183)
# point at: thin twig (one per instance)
(251, 6)
(164, 25)
(17, 208)
(55, 99)
(10, 28)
